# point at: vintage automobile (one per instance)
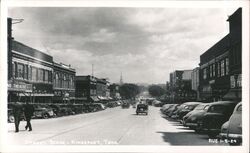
(192, 119)
(43, 111)
(125, 105)
(231, 131)
(142, 109)
(184, 109)
(11, 118)
(197, 109)
(170, 111)
(99, 106)
(157, 103)
(217, 114)
(211, 118)
(165, 107)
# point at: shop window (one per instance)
(211, 71)
(34, 74)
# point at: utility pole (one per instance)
(10, 22)
(92, 69)
(9, 28)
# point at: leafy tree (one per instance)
(156, 91)
(129, 90)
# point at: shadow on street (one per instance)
(184, 138)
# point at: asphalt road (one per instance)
(113, 126)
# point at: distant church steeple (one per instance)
(121, 81)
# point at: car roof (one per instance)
(192, 103)
(223, 103)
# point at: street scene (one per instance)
(95, 129)
(124, 76)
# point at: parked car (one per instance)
(184, 109)
(157, 103)
(43, 111)
(99, 106)
(112, 104)
(77, 108)
(197, 109)
(65, 110)
(212, 117)
(170, 111)
(125, 105)
(142, 109)
(216, 116)
(164, 107)
(231, 131)
(192, 119)
(11, 118)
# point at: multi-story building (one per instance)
(195, 81)
(30, 74)
(86, 90)
(63, 83)
(235, 55)
(102, 89)
(114, 91)
(180, 86)
(220, 65)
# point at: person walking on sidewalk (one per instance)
(28, 112)
(18, 112)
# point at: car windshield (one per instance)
(191, 107)
(206, 107)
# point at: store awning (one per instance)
(233, 94)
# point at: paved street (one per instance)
(111, 126)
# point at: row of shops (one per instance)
(219, 74)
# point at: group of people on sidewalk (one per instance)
(18, 111)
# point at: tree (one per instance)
(129, 90)
(156, 91)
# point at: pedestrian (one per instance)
(18, 112)
(28, 112)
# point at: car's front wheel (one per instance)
(11, 119)
(45, 115)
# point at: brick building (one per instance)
(63, 83)
(30, 74)
(220, 66)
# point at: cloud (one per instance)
(145, 44)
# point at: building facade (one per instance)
(180, 87)
(30, 75)
(114, 91)
(220, 66)
(235, 56)
(63, 83)
(86, 89)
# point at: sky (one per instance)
(144, 44)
